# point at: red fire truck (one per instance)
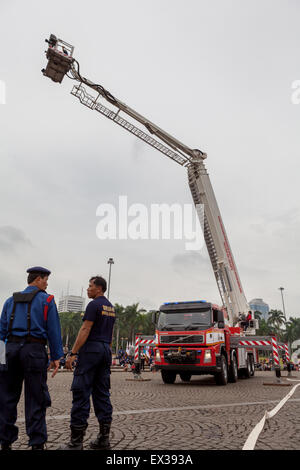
(194, 337)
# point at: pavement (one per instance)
(151, 415)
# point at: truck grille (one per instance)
(173, 356)
(193, 339)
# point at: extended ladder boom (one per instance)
(60, 63)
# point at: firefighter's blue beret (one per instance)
(38, 269)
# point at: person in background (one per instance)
(248, 319)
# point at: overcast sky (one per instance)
(218, 76)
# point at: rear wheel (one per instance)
(252, 366)
(185, 376)
(168, 376)
(221, 377)
(247, 371)
(233, 370)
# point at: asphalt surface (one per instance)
(150, 415)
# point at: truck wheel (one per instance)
(233, 370)
(185, 376)
(168, 376)
(252, 366)
(221, 377)
(247, 371)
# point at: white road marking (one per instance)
(254, 435)
(181, 408)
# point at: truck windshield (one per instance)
(184, 320)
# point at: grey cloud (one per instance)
(283, 223)
(189, 260)
(288, 217)
(11, 237)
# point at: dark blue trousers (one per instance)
(25, 362)
(92, 378)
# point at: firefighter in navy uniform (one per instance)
(29, 318)
(92, 373)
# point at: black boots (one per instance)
(6, 446)
(102, 440)
(37, 447)
(76, 442)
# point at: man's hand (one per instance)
(79, 342)
(54, 365)
(69, 362)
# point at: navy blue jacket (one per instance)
(40, 328)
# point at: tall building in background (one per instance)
(71, 303)
(258, 305)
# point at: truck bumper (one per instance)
(194, 370)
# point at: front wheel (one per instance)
(168, 376)
(185, 376)
(233, 370)
(221, 377)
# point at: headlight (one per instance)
(207, 355)
(157, 356)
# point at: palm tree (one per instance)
(292, 332)
(131, 319)
(275, 321)
(70, 324)
(265, 329)
(132, 314)
(145, 325)
(257, 315)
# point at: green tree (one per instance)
(265, 329)
(292, 332)
(70, 323)
(131, 320)
(276, 320)
(145, 325)
(132, 316)
(257, 315)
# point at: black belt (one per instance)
(26, 339)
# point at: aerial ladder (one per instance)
(62, 63)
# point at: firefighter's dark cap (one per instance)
(38, 269)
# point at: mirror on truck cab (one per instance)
(218, 318)
(221, 322)
(154, 316)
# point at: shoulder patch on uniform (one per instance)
(48, 300)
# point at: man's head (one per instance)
(97, 287)
(38, 277)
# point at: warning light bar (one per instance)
(187, 302)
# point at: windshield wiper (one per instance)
(193, 325)
(166, 327)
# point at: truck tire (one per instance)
(247, 371)
(221, 377)
(252, 366)
(168, 376)
(185, 376)
(233, 370)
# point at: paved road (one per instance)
(194, 416)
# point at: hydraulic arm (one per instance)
(61, 63)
